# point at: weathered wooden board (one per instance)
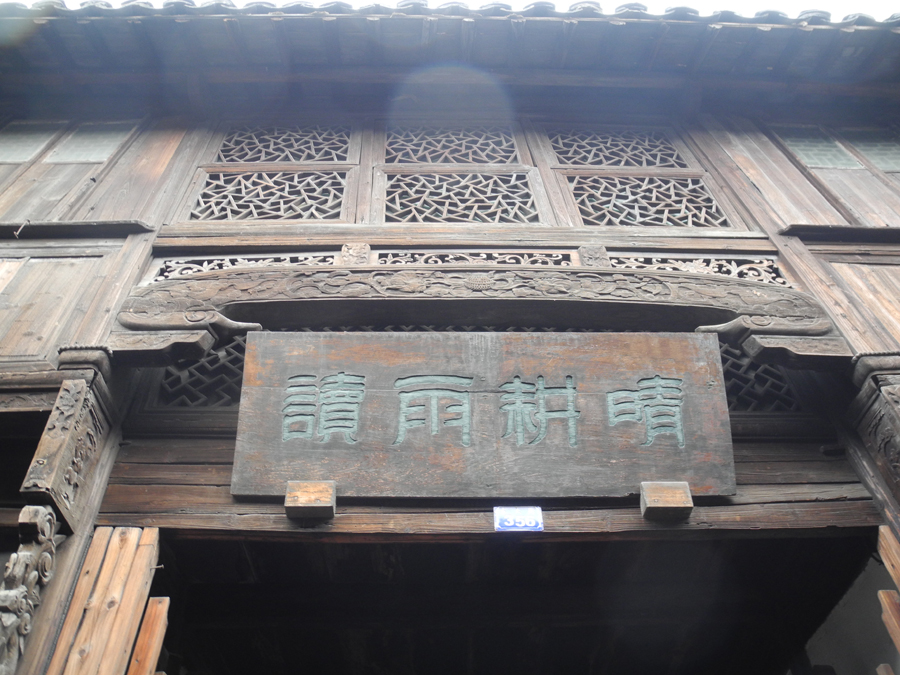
(465, 415)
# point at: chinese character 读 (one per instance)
(416, 401)
(338, 401)
(656, 402)
(526, 402)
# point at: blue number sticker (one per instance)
(518, 519)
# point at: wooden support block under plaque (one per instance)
(310, 499)
(666, 500)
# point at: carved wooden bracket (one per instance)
(28, 571)
(876, 412)
(70, 448)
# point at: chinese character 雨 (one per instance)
(427, 403)
(656, 402)
(526, 409)
(338, 401)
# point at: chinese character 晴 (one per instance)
(656, 402)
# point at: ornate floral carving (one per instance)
(28, 571)
(594, 256)
(354, 254)
(32, 400)
(195, 302)
(172, 269)
(68, 449)
(475, 258)
(880, 427)
(762, 270)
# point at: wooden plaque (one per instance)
(492, 415)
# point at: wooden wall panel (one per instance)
(867, 197)
(877, 289)
(784, 187)
(41, 190)
(37, 301)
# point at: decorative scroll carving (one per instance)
(450, 145)
(615, 148)
(159, 348)
(68, 450)
(195, 302)
(275, 195)
(27, 400)
(646, 201)
(354, 254)
(754, 387)
(172, 269)
(210, 382)
(459, 198)
(880, 428)
(594, 256)
(765, 271)
(28, 571)
(476, 258)
(286, 144)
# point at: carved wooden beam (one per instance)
(70, 448)
(28, 571)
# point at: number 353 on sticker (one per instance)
(518, 519)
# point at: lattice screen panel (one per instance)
(286, 144)
(459, 198)
(815, 148)
(283, 195)
(615, 148)
(645, 201)
(447, 145)
(212, 382)
(215, 380)
(880, 146)
(754, 387)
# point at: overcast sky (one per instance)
(880, 9)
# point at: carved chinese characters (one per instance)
(482, 414)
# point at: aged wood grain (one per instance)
(150, 640)
(426, 415)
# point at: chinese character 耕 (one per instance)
(525, 405)
(427, 402)
(656, 402)
(337, 400)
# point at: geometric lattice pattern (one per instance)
(286, 144)
(442, 145)
(646, 201)
(213, 381)
(271, 196)
(463, 197)
(880, 146)
(816, 149)
(615, 148)
(754, 387)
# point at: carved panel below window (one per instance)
(286, 144)
(615, 148)
(281, 195)
(646, 201)
(460, 198)
(475, 258)
(443, 145)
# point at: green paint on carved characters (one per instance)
(657, 402)
(527, 402)
(338, 401)
(416, 401)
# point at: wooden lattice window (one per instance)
(279, 172)
(628, 177)
(450, 145)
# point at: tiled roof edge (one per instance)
(587, 9)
